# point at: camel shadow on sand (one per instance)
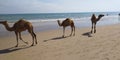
(12, 49)
(56, 38)
(87, 34)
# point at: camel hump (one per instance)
(93, 17)
(22, 23)
(67, 22)
(68, 19)
(22, 20)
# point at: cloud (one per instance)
(27, 6)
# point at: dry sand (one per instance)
(104, 45)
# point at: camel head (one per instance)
(59, 22)
(101, 15)
(3, 22)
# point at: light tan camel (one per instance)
(94, 20)
(20, 26)
(65, 23)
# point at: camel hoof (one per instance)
(63, 36)
(32, 45)
(36, 42)
(91, 32)
(16, 46)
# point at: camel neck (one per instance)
(59, 23)
(8, 27)
(98, 18)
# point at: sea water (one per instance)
(50, 16)
(48, 21)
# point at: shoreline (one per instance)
(53, 25)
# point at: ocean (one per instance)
(50, 16)
(48, 21)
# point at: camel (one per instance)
(20, 26)
(65, 23)
(94, 20)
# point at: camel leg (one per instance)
(35, 37)
(71, 31)
(95, 28)
(63, 32)
(20, 36)
(32, 37)
(22, 39)
(92, 27)
(74, 31)
(16, 38)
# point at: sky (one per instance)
(58, 6)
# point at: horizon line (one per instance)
(63, 12)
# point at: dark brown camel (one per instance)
(94, 20)
(20, 26)
(65, 23)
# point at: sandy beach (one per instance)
(21, 22)
(103, 45)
